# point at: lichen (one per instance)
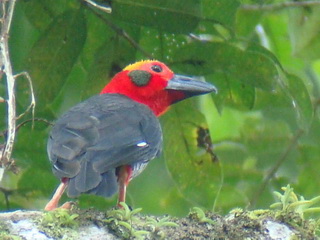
(5, 233)
(59, 223)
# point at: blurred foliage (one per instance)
(264, 122)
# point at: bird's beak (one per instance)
(190, 86)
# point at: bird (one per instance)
(99, 145)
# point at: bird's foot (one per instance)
(68, 205)
(52, 206)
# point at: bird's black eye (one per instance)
(156, 68)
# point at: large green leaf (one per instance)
(98, 72)
(108, 60)
(304, 31)
(160, 45)
(194, 169)
(221, 11)
(292, 103)
(256, 48)
(41, 13)
(54, 54)
(231, 92)
(246, 21)
(168, 15)
(308, 161)
(98, 35)
(248, 67)
(300, 99)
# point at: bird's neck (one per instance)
(158, 104)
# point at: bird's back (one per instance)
(89, 142)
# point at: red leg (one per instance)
(53, 203)
(124, 177)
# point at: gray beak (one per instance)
(190, 86)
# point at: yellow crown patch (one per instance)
(137, 65)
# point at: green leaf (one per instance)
(309, 164)
(291, 104)
(108, 60)
(193, 169)
(54, 54)
(98, 72)
(95, 39)
(160, 45)
(222, 11)
(301, 101)
(231, 92)
(304, 31)
(168, 16)
(41, 13)
(251, 68)
(246, 21)
(256, 48)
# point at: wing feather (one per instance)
(95, 137)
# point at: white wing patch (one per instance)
(57, 168)
(142, 144)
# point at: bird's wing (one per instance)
(100, 134)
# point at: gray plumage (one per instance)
(90, 141)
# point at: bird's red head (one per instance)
(155, 85)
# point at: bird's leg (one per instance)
(124, 177)
(53, 203)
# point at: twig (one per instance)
(279, 6)
(6, 194)
(7, 69)
(32, 104)
(275, 168)
(4, 133)
(100, 7)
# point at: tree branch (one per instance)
(7, 13)
(106, 9)
(279, 6)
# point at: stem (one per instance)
(7, 14)
(279, 6)
(106, 9)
